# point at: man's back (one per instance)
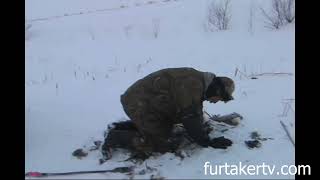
(166, 91)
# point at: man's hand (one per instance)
(220, 143)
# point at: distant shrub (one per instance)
(282, 12)
(218, 15)
(156, 27)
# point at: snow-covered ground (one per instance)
(77, 66)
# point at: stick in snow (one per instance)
(115, 170)
(288, 134)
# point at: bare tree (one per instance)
(218, 15)
(288, 10)
(282, 12)
(273, 19)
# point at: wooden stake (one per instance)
(288, 134)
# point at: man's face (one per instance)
(214, 99)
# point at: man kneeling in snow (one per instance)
(165, 98)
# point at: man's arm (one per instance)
(192, 121)
(189, 97)
(191, 116)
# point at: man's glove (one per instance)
(220, 143)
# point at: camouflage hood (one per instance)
(207, 76)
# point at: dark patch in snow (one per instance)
(79, 153)
(253, 144)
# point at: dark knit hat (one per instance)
(222, 87)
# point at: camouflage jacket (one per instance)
(173, 94)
